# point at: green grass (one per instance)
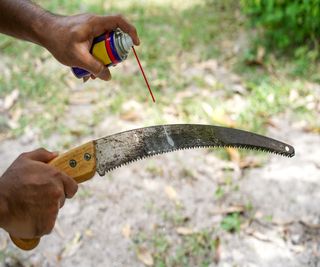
(196, 249)
(231, 222)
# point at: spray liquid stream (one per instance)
(144, 76)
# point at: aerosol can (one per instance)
(109, 48)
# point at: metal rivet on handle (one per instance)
(72, 163)
(87, 156)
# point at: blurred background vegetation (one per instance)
(287, 28)
(269, 47)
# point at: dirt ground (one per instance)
(98, 226)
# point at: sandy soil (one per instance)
(97, 227)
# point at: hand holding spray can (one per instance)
(110, 48)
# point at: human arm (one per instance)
(68, 38)
(31, 193)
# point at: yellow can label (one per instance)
(99, 51)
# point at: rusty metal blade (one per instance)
(122, 148)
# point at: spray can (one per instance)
(109, 48)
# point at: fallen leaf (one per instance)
(258, 235)
(145, 256)
(224, 120)
(260, 54)
(77, 131)
(171, 192)
(83, 97)
(59, 230)
(72, 247)
(207, 109)
(126, 231)
(258, 59)
(10, 99)
(234, 155)
(3, 243)
(229, 210)
(130, 115)
(88, 233)
(185, 231)
(249, 163)
(312, 129)
(310, 225)
(16, 115)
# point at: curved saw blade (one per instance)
(122, 148)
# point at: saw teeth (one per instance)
(155, 153)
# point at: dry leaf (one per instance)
(10, 99)
(88, 233)
(260, 54)
(59, 230)
(258, 235)
(130, 115)
(207, 109)
(3, 243)
(126, 231)
(229, 210)
(185, 231)
(16, 114)
(258, 60)
(72, 247)
(145, 256)
(83, 97)
(312, 129)
(224, 120)
(171, 192)
(249, 163)
(234, 155)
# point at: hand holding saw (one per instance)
(110, 152)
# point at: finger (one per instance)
(41, 154)
(108, 23)
(70, 186)
(89, 63)
(105, 74)
(62, 201)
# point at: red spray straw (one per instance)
(144, 76)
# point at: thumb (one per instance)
(41, 154)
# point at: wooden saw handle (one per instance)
(80, 164)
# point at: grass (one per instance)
(197, 249)
(171, 45)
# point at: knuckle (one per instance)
(46, 221)
(91, 18)
(73, 190)
(56, 194)
(37, 231)
(55, 173)
(119, 17)
(23, 155)
(53, 210)
(47, 229)
(41, 150)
